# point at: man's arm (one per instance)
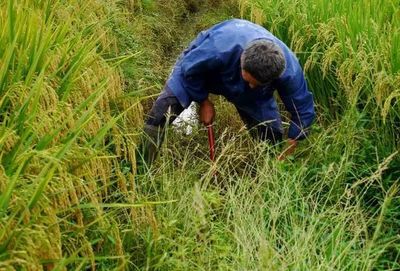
(298, 101)
(196, 65)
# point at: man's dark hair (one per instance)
(264, 60)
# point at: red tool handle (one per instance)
(211, 142)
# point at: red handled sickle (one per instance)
(211, 144)
(211, 141)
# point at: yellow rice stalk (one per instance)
(331, 55)
(394, 97)
(62, 51)
(360, 47)
(299, 39)
(8, 139)
(383, 88)
(256, 14)
(3, 179)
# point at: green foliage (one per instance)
(350, 57)
(311, 212)
(332, 206)
(55, 116)
(69, 199)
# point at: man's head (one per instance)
(262, 61)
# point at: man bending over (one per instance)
(244, 63)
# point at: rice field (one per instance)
(60, 118)
(352, 44)
(76, 80)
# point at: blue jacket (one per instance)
(211, 64)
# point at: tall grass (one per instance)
(332, 207)
(262, 214)
(353, 44)
(60, 145)
(68, 128)
(347, 49)
(69, 200)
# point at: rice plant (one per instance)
(57, 128)
(353, 44)
(74, 77)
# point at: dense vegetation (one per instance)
(75, 79)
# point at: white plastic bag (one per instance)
(187, 120)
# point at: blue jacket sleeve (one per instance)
(299, 102)
(195, 66)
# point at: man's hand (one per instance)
(289, 149)
(207, 112)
